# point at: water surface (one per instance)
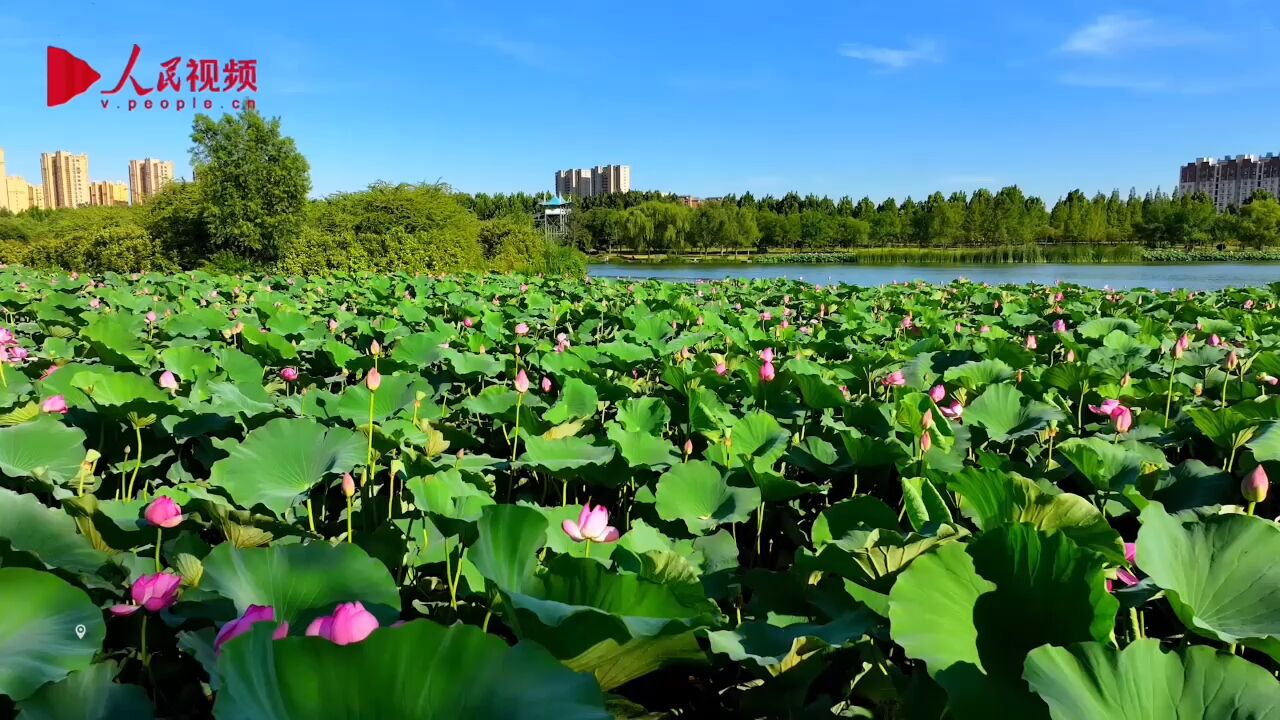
(1161, 276)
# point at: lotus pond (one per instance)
(494, 497)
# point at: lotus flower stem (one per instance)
(515, 437)
(759, 528)
(1252, 505)
(137, 432)
(586, 553)
(311, 519)
(368, 455)
(1225, 382)
(159, 534)
(1168, 400)
(350, 532)
(448, 572)
(142, 644)
(1231, 459)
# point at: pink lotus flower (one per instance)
(937, 393)
(522, 382)
(163, 512)
(952, 411)
(1122, 418)
(1233, 361)
(688, 446)
(349, 623)
(375, 348)
(522, 329)
(1255, 485)
(151, 318)
(1248, 304)
(721, 369)
(154, 593)
(895, 379)
(1059, 325)
(6, 336)
(907, 323)
(333, 325)
(1125, 575)
(766, 355)
(373, 380)
(55, 404)
(1071, 356)
(348, 485)
(593, 525)
(169, 381)
(468, 322)
(766, 316)
(1214, 341)
(1105, 408)
(289, 374)
(1184, 342)
(767, 372)
(984, 329)
(546, 384)
(524, 288)
(18, 354)
(926, 441)
(95, 303)
(1031, 342)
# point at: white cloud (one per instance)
(919, 51)
(1163, 85)
(1116, 33)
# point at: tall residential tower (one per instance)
(65, 178)
(147, 177)
(599, 180)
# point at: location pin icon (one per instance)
(80, 631)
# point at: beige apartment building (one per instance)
(1231, 181)
(22, 195)
(599, 180)
(109, 194)
(65, 178)
(147, 177)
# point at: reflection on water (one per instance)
(1192, 276)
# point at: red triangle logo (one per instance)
(69, 76)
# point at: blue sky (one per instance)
(836, 97)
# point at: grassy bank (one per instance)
(951, 256)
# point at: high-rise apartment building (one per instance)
(599, 180)
(1231, 181)
(147, 177)
(4, 185)
(23, 195)
(109, 194)
(65, 178)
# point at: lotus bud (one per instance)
(1122, 419)
(1199, 389)
(348, 485)
(373, 380)
(522, 382)
(546, 384)
(55, 405)
(1255, 484)
(937, 393)
(721, 368)
(289, 374)
(688, 447)
(767, 372)
(375, 349)
(926, 441)
(1031, 342)
(1233, 360)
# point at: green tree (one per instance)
(253, 184)
(1259, 224)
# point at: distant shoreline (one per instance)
(1014, 255)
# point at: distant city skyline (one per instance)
(65, 180)
(875, 99)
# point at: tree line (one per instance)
(660, 222)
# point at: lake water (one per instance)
(1163, 276)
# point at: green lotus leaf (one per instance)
(617, 626)
(698, 495)
(114, 388)
(397, 393)
(979, 374)
(769, 643)
(283, 459)
(43, 449)
(972, 614)
(641, 449)
(509, 538)
(644, 415)
(46, 533)
(1106, 465)
(1142, 682)
(38, 638)
(993, 499)
(577, 400)
(418, 670)
(924, 504)
(1266, 446)
(1219, 574)
(558, 456)
(88, 694)
(1002, 412)
(300, 581)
